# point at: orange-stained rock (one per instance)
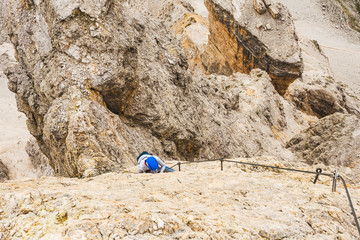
(236, 44)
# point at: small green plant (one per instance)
(358, 7)
(316, 44)
(330, 79)
(191, 21)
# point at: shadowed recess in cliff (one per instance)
(237, 43)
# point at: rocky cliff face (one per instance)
(227, 37)
(318, 93)
(99, 85)
(316, 144)
(101, 81)
(72, 84)
(245, 39)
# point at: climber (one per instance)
(148, 163)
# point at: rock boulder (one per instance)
(318, 93)
(333, 140)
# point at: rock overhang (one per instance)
(268, 43)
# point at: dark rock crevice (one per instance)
(4, 172)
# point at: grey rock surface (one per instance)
(100, 83)
(96, 94)
(3, 20)
(333, 140)
(200, 202)
(39, 161)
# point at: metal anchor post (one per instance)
(335, 177)
(318, 170)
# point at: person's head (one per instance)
(143, 153)
(151, 163)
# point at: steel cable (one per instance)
(286, 169)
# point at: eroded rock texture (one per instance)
(3, 30)
(333, 140)
(241, 39)
(231, 36)
(100, 84)
(317, 93)
(81, 66)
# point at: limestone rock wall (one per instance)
(318, 93)
(223, 37)
(333, 140)
(241, 39)
(79, 69)
(101, 84)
